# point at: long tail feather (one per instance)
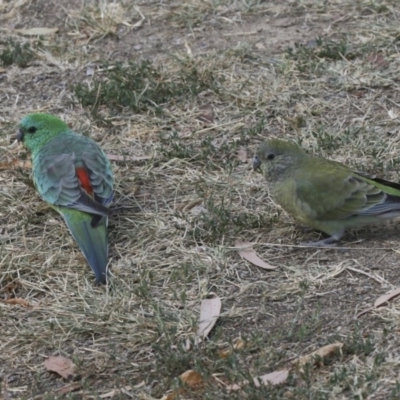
(91, 240)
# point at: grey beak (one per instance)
(20, 135)
(256, 163)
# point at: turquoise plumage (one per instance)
(74, 176)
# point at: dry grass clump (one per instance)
(186, 93)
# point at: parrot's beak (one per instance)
(20, 135)
(256, 163)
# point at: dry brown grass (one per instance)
(172, 244)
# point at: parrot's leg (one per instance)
(328, 242)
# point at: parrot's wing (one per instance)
(100, 174)
(57, 182)
(340, 195)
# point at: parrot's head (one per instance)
(276, 158)
(35, 130)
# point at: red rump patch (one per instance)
(84, 179)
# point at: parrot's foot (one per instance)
(328, 242)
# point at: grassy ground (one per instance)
(195, 86)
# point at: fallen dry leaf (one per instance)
(316, 356)
(18, 301)
(61, 365)
(380, 301)
(185, 207)
(191, 379)
(188, 49)
(209, 312)
(242, 155)
(247, 252)
(238, 345)
(37, 31)
(378, 60)
(68, 388)
(392, 114)
(273, 378)
(364, 311)
(206, 114)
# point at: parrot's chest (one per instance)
(285, 194)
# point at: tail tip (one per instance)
(103, 278)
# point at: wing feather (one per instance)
(351, 196)
(56, 179)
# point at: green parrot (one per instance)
(323, 194)
(74, 176)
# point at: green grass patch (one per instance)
(16, 53)
(142, 86)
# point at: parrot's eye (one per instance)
(270, 156)
(32, 129)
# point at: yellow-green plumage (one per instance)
(323, 194)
